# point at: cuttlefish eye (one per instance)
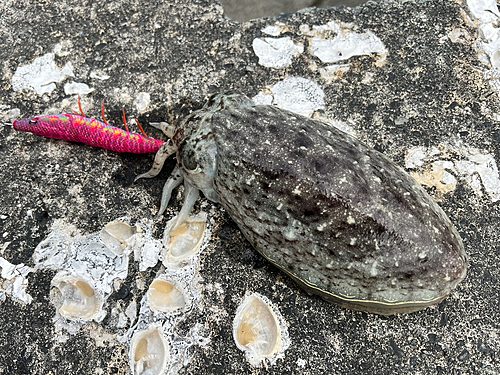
(189, 161)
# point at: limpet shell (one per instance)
(165, 296)
(76, 298)
(115, 235)
(149, 352)
(259, 330)
(184, 242)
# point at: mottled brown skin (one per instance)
(342, 219)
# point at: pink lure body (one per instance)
(89, 131)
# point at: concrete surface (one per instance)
(429, 103)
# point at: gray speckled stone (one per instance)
(180, 53)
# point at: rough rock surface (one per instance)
(427, 90)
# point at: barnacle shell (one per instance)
(185, 241)
(259, 330)
(75, 297)
(165, 296)
(149, 352)
(115, 235)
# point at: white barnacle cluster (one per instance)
(118, 236)
(178, 248)
(259, 330)
(91, 267)
(154, 346)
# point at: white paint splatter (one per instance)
(484, 10)
(63, 48)
(41, 75)
(332, 73)
(263, 99)
(87, 257)
(99, 74)
(477, 169)
(295, 94)
(345, 44)
(276, 52)
(272, 30)
(8, 114)
(488, 43)
(72, 88)
(14, 281)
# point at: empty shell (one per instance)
(259, 330)
(75, 297)
(184, 242)
(149, 352)
(165, 296)
(115, 235)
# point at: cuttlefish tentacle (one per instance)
(167, 129)
(191, 195)
(173, 181)
(167, 149)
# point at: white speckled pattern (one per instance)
(342, 219)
